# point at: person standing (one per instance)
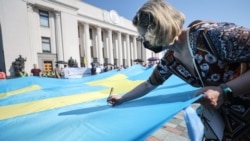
(57, 72)
(93, 68)
(2, 75)
(64, 71)
(22, 73)
(35, 71)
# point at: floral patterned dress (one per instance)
(221, 53)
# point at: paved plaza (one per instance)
(173, 130)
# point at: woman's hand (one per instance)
(213, 97)
(114, 100)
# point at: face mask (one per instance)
(155, 49)
(146, 22)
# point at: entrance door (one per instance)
(48, 67)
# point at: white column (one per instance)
(141, 50)
(87, 45)
(128, 50)
(82, 50)
(124, 44)
(110, 47)
(99, 45)
(120, 56)
(106, 47)
(144, 56)
(59, 47)
(132, 52)
(135, 48)
(32, 37)
(95, 43)
(116, 51)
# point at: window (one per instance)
(46, 45)
(44, 18)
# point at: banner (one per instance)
(76, 72)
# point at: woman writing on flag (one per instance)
(220, 56)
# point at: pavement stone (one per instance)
(174, 130)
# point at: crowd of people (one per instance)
(97, 68)
(35, 71)
(56, 73)
(59, 72)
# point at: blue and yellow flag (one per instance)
(47, 109)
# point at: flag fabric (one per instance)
(194, 124)
(49, 109)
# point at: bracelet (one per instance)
(227, 93)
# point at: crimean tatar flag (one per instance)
(48, 109)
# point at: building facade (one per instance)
(46, 31)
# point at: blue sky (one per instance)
(236, 11)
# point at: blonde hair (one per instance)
(164, 22)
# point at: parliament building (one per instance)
(44, 32)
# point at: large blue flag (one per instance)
(47, 109)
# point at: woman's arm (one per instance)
(158, 77)
(213, 95)
(139, 91)
(241, 84)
